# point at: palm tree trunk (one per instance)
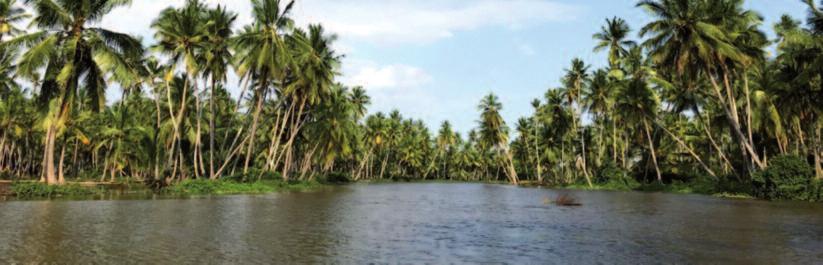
(652, 149)
(297, 123)
(211, 129)
(48, 161)
(258, 108)
(60, 178)
(818, 169)
(730, 110)
(689, 149)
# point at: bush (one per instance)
(788, 177)
(42, 190)
(205, 186)
(253, 175)
(614, 177)
(335, 178)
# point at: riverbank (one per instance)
(226, 187)
(674, 188)
(37, 190)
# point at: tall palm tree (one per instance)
(692, 38)
(613, 36)
(536, 105)
(261, 55)
(638, 104)
(314, 67)
(74, 55)
(217, 56)
(575, 79)
(181, 35)
(495, 133)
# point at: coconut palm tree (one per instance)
(494, 132)
(314, 65)
(613, 36)
(216, 56)
(575, 80)
(73, 55)
(10, 15)
(181, 35)
(445, 141)
(262, 56)
(692, 38)
(638, 104)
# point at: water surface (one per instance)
(413, 223)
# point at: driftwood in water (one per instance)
(566, 200)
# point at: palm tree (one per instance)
(261, 55)
(181, 35)
(446, 140)
(576, 77)
(599, 100)
(11, 14)
(73, 55)
(536, 104)
(690, 38)
(638, 104)
(612, 36)
(314, 66)
(217, 57)
(495, 133)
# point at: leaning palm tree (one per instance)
(494, 132)
(262, 55)
(181, 34)
(314, 66)
(638, 103)
(613, 36)
(693, 38)
(72, 55)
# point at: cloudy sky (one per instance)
(434, 59)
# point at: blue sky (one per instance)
(434, 59)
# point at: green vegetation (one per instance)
(223, 187)
(41, 190)
(787, 178)
(694, 104)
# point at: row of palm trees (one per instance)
(695, 96)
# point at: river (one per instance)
(413, 223)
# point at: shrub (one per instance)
(42, 190)
(614, 177)
(335, 178)
(788, 177)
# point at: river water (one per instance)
(413, 223)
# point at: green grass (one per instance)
(227, 187)
(705, 187)
(28, 190)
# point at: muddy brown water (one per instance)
(413, 223)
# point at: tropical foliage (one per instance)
(698, 96)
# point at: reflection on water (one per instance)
(418, 223)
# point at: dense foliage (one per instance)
(697, 98)
(787, 178)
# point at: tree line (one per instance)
(700, 93)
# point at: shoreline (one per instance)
(76, 190)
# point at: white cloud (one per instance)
(376, 21)
(415, 21)
(389, 77)
(395, 86)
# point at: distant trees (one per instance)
(695, 97)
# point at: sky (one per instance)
(435, 59)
